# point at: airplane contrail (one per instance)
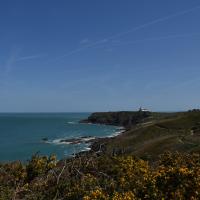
(153, 22)
(105, 40)
(29, 57)
(156, 39)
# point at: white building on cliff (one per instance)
(143, 109)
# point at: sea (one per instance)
(25, 134)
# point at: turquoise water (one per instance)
(21, 134)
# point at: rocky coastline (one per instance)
(125, 120)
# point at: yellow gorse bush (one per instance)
(125, 196)
(97, 194)
(173, 176)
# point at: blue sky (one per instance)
(58, 56)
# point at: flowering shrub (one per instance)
(97, 194)
(39, 165)
(173, 176)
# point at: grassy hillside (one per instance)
(178, 132)
(127, 119)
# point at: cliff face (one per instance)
(125, 118)
(161, 132)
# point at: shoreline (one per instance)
(96, 145)
(89, 141)
(119, 136)
(121, 120)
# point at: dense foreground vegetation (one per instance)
(172, 176)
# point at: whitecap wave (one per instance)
(88, 139)
(116, 133)
(86, 149)
(120, 128)
(72, 122)
(74, 140)
(58, 141)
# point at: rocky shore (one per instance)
(76, 140)
(126, 120)
(145, 134)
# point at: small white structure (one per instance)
(143, 109)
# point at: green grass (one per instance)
(163, 132)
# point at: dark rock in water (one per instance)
(71, 141)
(78, 140)
(85, 137)
(82, 139)
(45, 139)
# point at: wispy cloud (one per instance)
(119, 43)
(158, 20)
(134, 29)
(31, 57)
(97, 43)
(7, 67)
(11, 61)
(84, 41)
